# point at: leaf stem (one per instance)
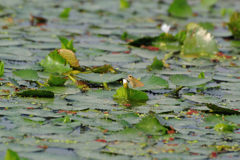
(106, 86)
(72, 78)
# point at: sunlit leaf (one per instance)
(11, 155)
(150, 125)
(180, 8)
(65, 13)
(56, 80)
(54, 63)
(198, 42)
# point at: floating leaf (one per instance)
(13, 81)
(198, 42)
(11, 155)
(101, 78)
(104, 69)
(130, 94)
(27, 74)
(54, 63)
(65, 13)
(1, 68)
(182, 80)
(124, 4)
(180, 8)
(66, 44)
(234, 24)
(223, 127)
(69, 56)
(201, 75)
(56, 80)
(150, 125)
(208, 2)
(36, 93)
(157, 64)
(152, 83)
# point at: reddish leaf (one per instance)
(101, 140)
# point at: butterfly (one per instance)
(134, 82)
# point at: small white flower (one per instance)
(165, 28)
(124, 81)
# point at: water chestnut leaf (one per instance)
(152, 83)
(55, 63)
(56, 80)
(157, 64)
(27, 74)
(11, 155)
(1, 68)
(150, 125)
(130, 94)
(65, 13)
(223, 127)
(182, 80)
(234, 25)
(124, 4)
(198, 42)
(101, 78)
(36, 93)
(66, 44)
(180, 8)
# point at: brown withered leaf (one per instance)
(69, 56)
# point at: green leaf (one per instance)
(150, 125)
(208, 2)
(128, 134)
(13, 81)
(198, 42)
(101, 78)
(201, 75)
(11, 155)
(152, 83)
(36, 93)
(66, 44)
(234, 24)
(157, 64)
(222, 110)
(233, 118)
(182, 80)
(207, 25)
(181, 36)
(28, 74)
(180, 8)
(54, 63)
(1, 68)
(65, 13)
(223, 127)
(124, 4)
(133, 95)
(202, 99)
(66, 119)
(56, 80)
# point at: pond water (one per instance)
(200, 121)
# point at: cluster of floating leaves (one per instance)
(53, 108)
